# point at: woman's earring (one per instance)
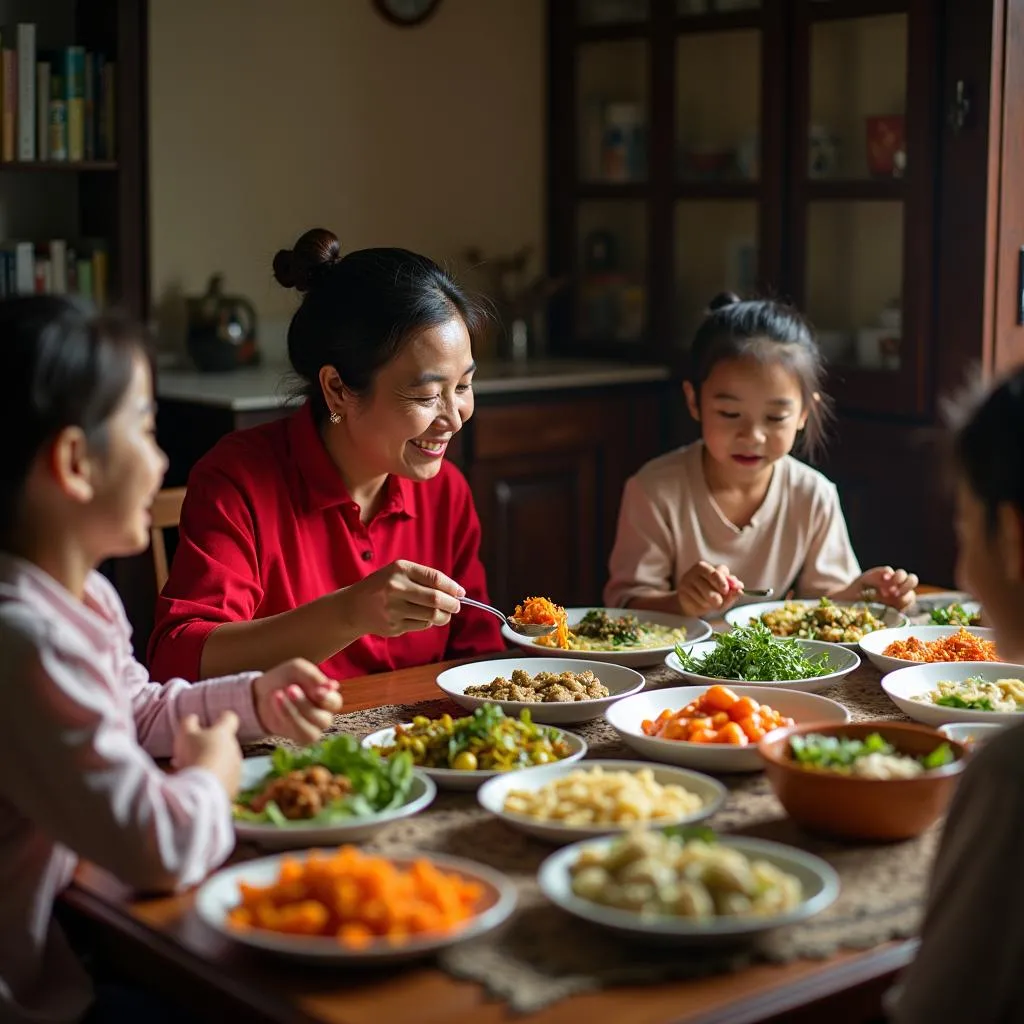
(336, 418)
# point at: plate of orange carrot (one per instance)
(350, 905)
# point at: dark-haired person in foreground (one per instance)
(341, 534)
(968, 967)
(735, 509)
(79, 468)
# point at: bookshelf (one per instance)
(84, 218)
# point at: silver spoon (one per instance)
(759, 593)
(524, 628)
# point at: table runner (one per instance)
(544, 955)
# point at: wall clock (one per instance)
(407, 12)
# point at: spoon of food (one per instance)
(524, 628)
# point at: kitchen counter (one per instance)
(273, 387)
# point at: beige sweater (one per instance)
(668, 521)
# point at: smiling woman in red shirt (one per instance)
(340, 534)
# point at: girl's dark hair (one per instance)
(359, 310)
(768, 331)
(62, 366)
(988, 443)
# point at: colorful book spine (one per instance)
(59, 266)
(58, 115)
(25, 35)
(74, 84)
(43, 108)
(90, 105)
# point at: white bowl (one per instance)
(927, 603)
(220, 893)
(819, 881)
(621, 682)
(972, 734)
(874, 643)
(908, 682)
(842, 661)
(696, 629)
(492, 797)
(452, 778)
(741, 615)
(302, 835)
(626, 718)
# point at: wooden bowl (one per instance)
(855, 808)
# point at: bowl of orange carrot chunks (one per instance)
(347, 905)
(714, 728)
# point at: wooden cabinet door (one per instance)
(537, 513)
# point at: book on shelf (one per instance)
(55, 105)
(56, 267)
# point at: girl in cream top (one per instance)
(736, 510)
(78, 472)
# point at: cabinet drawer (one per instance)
(538, 428)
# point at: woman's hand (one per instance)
(214, 748)
(399, 598)
(296, 700)
(707, 589)
(891, 586)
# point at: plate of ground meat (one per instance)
(554, 690)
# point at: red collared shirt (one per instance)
(268, 526)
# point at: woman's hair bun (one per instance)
(298, 267)
(721, 300)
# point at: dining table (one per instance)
(160, 941)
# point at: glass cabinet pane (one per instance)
(612, 112)
(854, 281)
(718, 106)
(612, 260)
(716, 247)
(689, 7)
(612, 12)
(858, 83)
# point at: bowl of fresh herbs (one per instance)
(752, 654)
(336, 791)
(864, 780)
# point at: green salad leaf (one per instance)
(942, 754)
(954, 615)
(689, 832)
(378, 784)
(951, 700)
(837, 753)
(754, 654)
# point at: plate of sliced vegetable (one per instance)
(961, 692)
(351, 907)
(334, 791)
(623, 636)
(463, 753)
(832, 622)
(752, 654)
(714, 728)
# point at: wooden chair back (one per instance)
(166, 514)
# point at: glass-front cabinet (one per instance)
(775, 147)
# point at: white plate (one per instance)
(843, 662)
(626, 718)
(300, 836)
(492, 797)
(696, 629)
(451, 778)
(220, 893)
(972, 734)
(907, 682)
(741, 616)
(941, 599)
(874, 643)
(819, 881)
(621, 682)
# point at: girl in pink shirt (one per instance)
(79, 468)
(736, 510)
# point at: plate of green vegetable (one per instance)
(947, 608)
(335, 791)
(753, 654)
(958, 691)
(463, 753)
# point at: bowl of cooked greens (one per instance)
(864, 780)
(463, 753)
(963, 691)
(622, 636)
(947, 608)
(335, 791)
(832, 622)
(752, 654)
